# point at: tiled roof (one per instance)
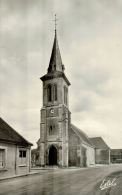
(82, 135)
(8, 134)
(99, 143)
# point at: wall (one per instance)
(60, 91)
(58, 120)
(74, 145)
(116, 155)
(12, 166)
(102, 156)
(80, 154)
(9, 160)
(90, 155)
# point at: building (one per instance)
(81, 150)
(116, 155)
(61, 143)
(102, 151)
(15, 152)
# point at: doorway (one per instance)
(84, 157)
(52, 155)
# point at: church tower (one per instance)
(55, 115)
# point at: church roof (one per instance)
(99, 143)
(56, 67)
(85, 139)
(55, 59)
(56, 74)
(8, 134)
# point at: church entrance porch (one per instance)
(52, 157)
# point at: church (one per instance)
(61, 143)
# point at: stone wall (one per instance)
(80, 154)
(60, 95)
(74, 142)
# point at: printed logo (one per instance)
(108, 183)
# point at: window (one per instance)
(49, 93)
(2, 158)
(65, 94)
(22, 156)
(52, 130)
(55, 92)
(52, 92)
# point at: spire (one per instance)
(55, 60)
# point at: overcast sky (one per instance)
(90, 41)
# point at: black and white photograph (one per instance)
(60, 97)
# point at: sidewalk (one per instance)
(32, 172)
(39, 170)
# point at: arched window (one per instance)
(55, 92)
(49, 93)
(65, 94)
(52, 130)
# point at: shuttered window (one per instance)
(49, 93)
(65, 95)
(55, 92)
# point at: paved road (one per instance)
(58, 182)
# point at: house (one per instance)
(15, 152)
(116, 155)
(102, 151)
(60, 143)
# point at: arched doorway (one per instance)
(52, 155)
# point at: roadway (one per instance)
(75, 181)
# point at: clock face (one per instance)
(52, 111)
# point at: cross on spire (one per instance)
(55, 22)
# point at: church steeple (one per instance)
(55, 59)
(56, 67)
(55, 114)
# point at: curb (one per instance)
(40, 170)
(23, 175)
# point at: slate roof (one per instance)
(8, 134)
(99, 143)
(116, 151)
(55, 74)
(55, 59)
(56, 67)
(85, 139)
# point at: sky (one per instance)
(90, 41)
